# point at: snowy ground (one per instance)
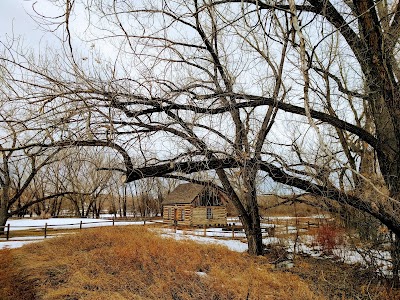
(52, 225)
(305, 245)
(233, 245)
(63, 223)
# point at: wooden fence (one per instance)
(229, 231)
(48, 227)
(277, 227)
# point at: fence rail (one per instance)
(47, 227)
(228, 231)
(270, 227)
(233, 229)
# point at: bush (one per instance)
(328, 237)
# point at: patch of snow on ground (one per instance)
(53, 223)
(63, 223)
(305, 244)
(233, 245)
(14, 244)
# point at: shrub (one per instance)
(329, 237)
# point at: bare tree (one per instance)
(18, 171)
(149, 194)
(211, 124)
(236, 89)
(80, 167)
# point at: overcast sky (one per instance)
(15, 21)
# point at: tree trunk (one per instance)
(252, 226)
(124, 208)
(98, 209)
(254, 238)
(124, 205)
(395, 254)
(3, 218)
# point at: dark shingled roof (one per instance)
(184, 194)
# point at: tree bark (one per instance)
(395, 254)
(254, 241)
(3, 218)
(252, 224)
(252, 228)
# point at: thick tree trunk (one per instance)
(254, 238)
(4, 197)
(395, 253)
(251, 223)
(3, 219)
(247, 208)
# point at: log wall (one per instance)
(199, 215)
(177, 209)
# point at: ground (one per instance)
(325, 275)
(133, 262)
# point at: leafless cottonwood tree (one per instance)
(207, 127)
(149, 194)
(32, 149)
(81, 175)
(235, 88)
(18, 170)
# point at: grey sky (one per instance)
(15, 21)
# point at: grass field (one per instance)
(134, 263)
(137, 263)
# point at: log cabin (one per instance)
(195, 205)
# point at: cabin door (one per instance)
(175, 215)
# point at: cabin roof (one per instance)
(184, 193)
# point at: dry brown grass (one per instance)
(338, 281)
(134, 263)
(299, 209)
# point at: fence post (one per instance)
(233, 231)
(113, 221)
(80, 225)
(287, 226)
(205, 230)
(8, 231)
(45, 230)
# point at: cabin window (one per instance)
(209, 213)
(210, 199)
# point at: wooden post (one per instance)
(233, 231)
(287, 226)
(8, 231)
(113, 221)
(45, 230)
(205, 230)
(80, 225)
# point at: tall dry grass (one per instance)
(134, 263)
(266, 203)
